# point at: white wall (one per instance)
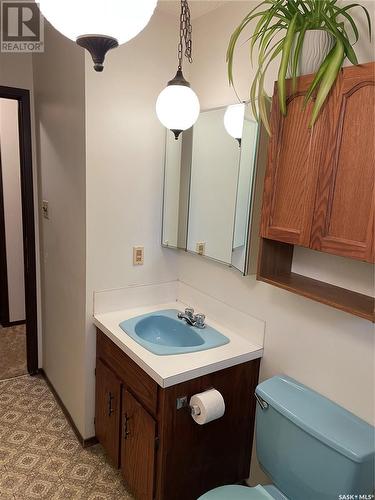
(16, 70)
(125, 155)
(11, 177)
(328, 350)
(59, 76)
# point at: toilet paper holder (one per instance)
(182, 402)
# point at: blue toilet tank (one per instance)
(310, 447)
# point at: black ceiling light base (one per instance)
(98, 46)
(179, 79)
(176, 133)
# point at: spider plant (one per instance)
(280, 30)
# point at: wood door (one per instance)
(344, 212)
(108, 411)
(291, 175)
(4, 297)
(138, 448)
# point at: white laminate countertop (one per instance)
(173, 369)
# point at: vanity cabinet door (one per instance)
(137, 447)
(292, 170)
(108, 411)
(344, 214)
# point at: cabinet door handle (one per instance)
(126, 426)
(110, 407)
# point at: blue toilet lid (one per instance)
(236, 492)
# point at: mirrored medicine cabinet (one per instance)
(211, 183)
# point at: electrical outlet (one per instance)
(201, 248)
(45, 209)
(138, 256)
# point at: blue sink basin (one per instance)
(162, 333)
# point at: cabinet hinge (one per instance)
(157, 442)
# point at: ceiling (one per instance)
(198, 8)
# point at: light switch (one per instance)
(45, 209)
(138, 256)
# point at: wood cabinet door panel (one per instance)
(127, 370)
(344, 213)
(138, 448)
(108, 411)
(291, 177)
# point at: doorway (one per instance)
(18, 303)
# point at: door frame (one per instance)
(4, 295)
(28, 222)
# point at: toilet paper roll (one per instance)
(207, 406)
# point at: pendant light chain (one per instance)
(177, 105)
(185, 34)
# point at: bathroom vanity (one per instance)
(144, 422)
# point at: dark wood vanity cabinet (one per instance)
(319, 189)
(162, 452)
(108, 410)
(138, 444)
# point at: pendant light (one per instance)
(96, 25)
(178, 106)
(233, 120)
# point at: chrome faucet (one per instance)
(197, 320)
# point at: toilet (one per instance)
(310, 447)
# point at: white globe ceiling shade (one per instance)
(233, 120)
(177, 107)
(119, 19)
(96, 25)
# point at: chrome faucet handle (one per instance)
(189, 311)
(200, 320)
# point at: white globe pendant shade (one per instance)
(233, 120)
(119, 19)
(115, 20)
(177, 107)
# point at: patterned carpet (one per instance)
(12, 351)
(40, 457)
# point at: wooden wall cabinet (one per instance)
(162, 452)
(345, 196)
(292, 172)
(319, 189)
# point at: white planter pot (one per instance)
(315, 47)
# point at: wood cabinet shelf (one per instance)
(319, 188)
(275, 268)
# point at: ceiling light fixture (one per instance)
(233, 120)
(96, 25)
(178, 106)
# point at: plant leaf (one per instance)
(296, 55)
(328, 79)
(318, 76)
(343, 39)
(287, 45)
